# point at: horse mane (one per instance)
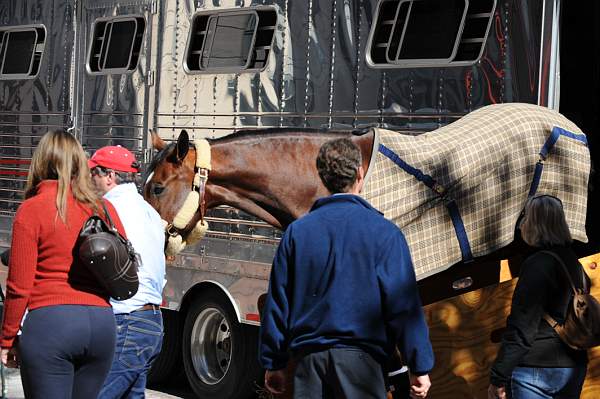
(287, 132)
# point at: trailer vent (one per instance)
(230, 41)
(21, 51)
(429, 33)
(116, 44)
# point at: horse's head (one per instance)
(170, 175)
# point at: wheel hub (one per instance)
(211, 346)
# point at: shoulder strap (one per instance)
(108, 218)
(549, 319)
(564, 267)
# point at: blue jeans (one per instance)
(66, 351)
(139, 339)
(547, 382)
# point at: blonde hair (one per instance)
(544, 223)
(59, 156)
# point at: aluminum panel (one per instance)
(112, 107)
(245, 287)
(30, 107)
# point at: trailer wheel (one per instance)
(219, 354)
(168, 362)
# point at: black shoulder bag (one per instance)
(109, 256)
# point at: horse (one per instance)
(252, 171)
(488, 157)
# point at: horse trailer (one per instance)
(110, 70)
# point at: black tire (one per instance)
(168, 362)
(224, 363)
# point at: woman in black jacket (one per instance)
(533, 362)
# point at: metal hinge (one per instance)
(147, 155)
(154, 7)
(150, 78)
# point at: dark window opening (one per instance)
(116, 45)
(21, 50)
(417, 33)
(231, 41)
(231, 38)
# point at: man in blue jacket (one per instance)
(342, 293)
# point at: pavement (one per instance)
(14, 390)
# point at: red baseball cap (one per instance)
(114, 157)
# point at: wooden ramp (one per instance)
(466, 332)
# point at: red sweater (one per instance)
(42, 270)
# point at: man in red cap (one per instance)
(139, 321)
(113, 158)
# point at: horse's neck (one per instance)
(273, 175)
(274, 178)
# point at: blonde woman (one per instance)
(533, 362)
(68, 338)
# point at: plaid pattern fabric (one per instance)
(486, 161)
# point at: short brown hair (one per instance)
(338, 162)
(544, 223)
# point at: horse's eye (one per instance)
(157, 189)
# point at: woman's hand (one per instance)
(10, 357)
(495, 392)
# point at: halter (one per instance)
(194, 202)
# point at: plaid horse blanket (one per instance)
(483, 166)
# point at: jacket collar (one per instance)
(121, 190)
(340, 199)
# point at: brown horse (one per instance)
(270, 174)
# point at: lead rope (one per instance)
(193, 202)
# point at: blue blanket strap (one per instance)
(547, 147)
(459, 226)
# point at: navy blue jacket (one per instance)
(343, 277)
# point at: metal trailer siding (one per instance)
(30, 107)
(112, 108)
(317, 77)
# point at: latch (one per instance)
(150, 78)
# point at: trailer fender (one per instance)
(207, 285)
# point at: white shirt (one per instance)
(144, 229)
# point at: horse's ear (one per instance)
(157, 142)
(183, 145)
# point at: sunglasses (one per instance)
(100, 171)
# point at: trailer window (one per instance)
(230, 41)
(21, 50)
(116, 45)
(429, 33)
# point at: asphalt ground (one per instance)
(179, 389)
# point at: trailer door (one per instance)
(114, 74)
